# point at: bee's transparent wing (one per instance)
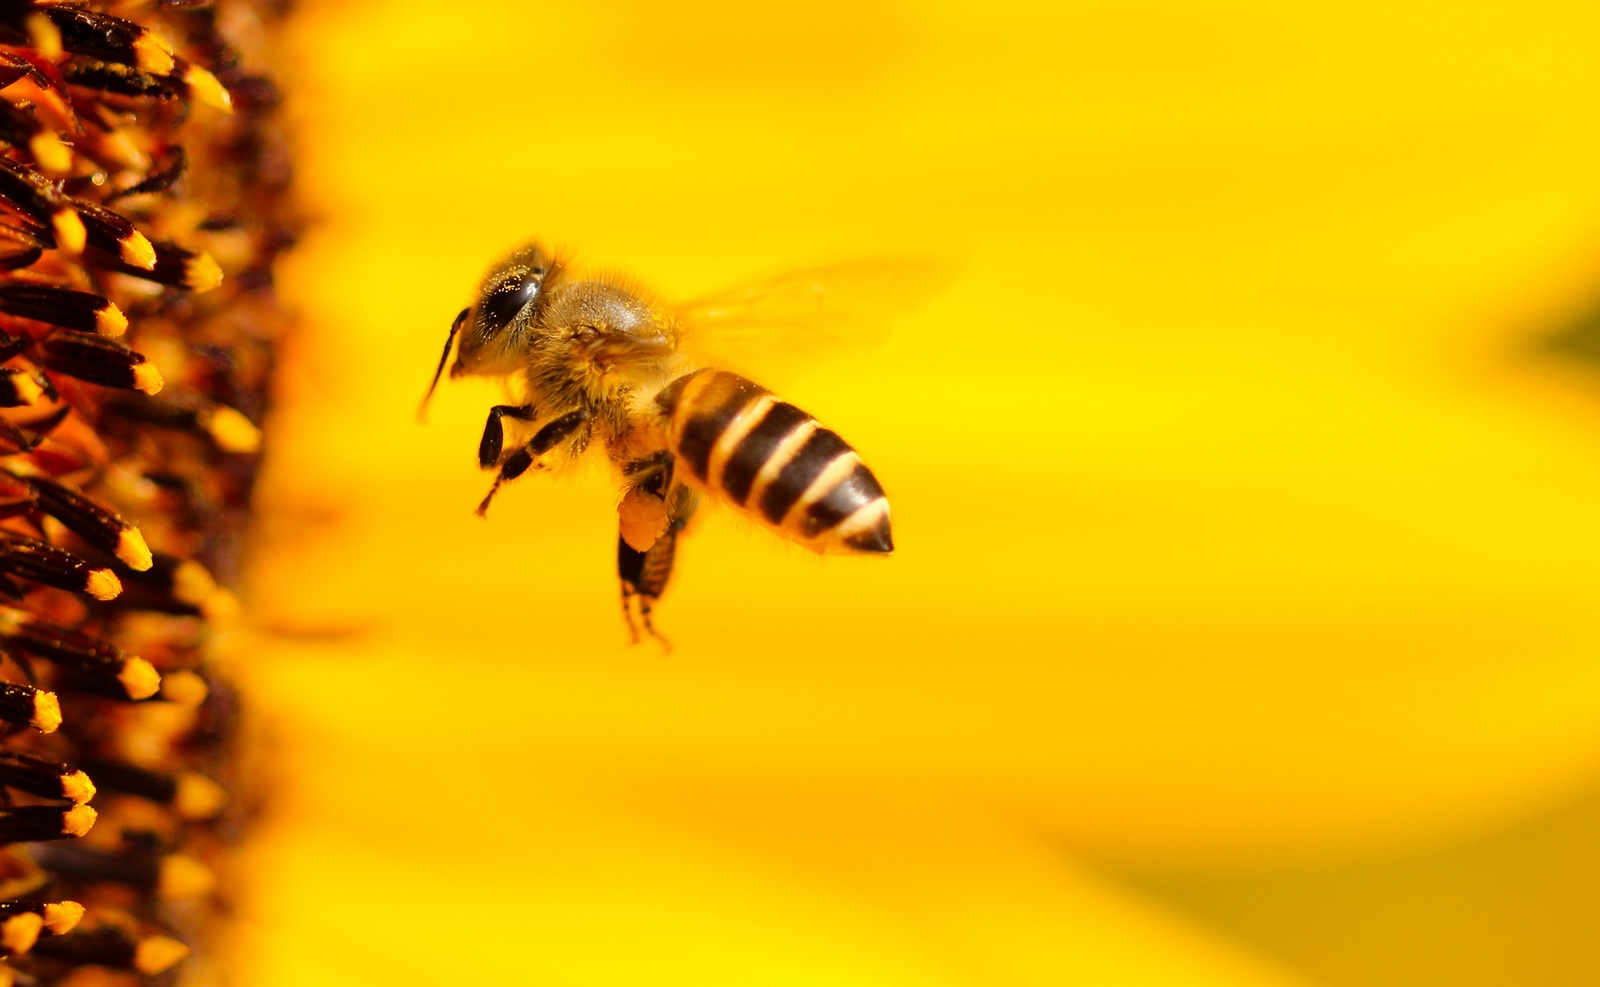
(777, 323)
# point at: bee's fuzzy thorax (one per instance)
(144, 184)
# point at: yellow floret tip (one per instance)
(110, 321)
(78, 820)
(232, 431)
(137, 250)
(198, 796)
(70, 233)
(19, 932)
(44, 35)
(158, 954)
(61, 917)
(133, 551)
(202, 274)
(184, 688)
(46, 712)
(184, 878)
(78, 787)
(191, 583)
(147, 378)
(139, 679)
(154, 54)
(221, 606)
(51, 152)
(103, 584)
(28, 389)
(207, 89)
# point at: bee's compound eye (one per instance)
(503, 304)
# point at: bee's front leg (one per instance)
(494, 435)
(543, 441)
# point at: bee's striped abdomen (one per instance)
(772, 460)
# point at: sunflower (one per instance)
(143, 182)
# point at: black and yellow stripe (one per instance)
(773, 461)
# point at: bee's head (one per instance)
(495, 326)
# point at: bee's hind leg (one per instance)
(543, 441)
(644, 575)
(643, 514)
(644, 578)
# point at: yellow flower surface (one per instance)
(1242, 623)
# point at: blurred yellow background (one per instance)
(1242, 627)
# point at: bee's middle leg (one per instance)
(543, 441)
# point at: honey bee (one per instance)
(599, 361)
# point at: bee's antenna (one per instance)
(455, 327)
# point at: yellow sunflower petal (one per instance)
(1235, 519)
